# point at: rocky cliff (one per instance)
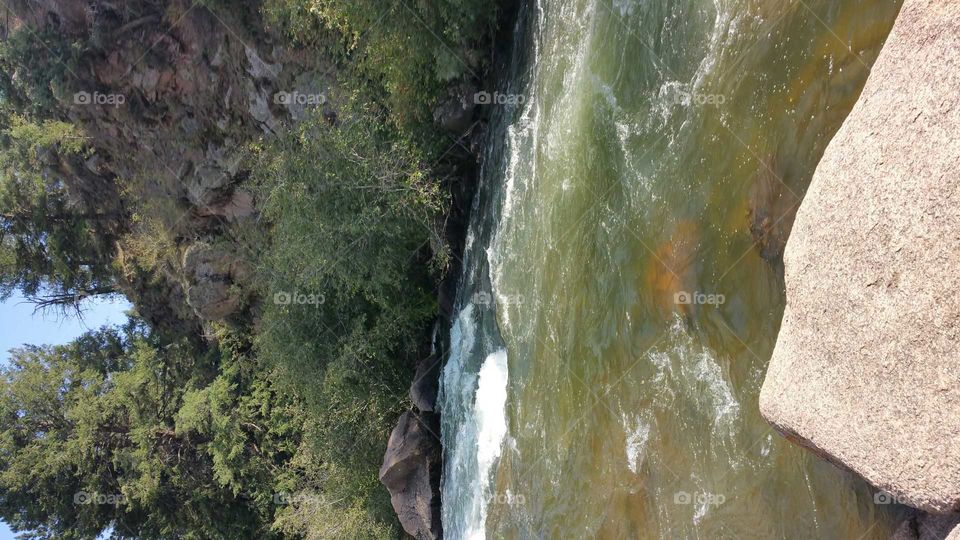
(865, 370)
(168, 94)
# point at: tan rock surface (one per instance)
(866, 369)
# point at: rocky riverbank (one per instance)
(413, 461)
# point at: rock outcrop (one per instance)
(411, 473)
(455, 115)
(213, 278)
(866, 370)
(169, 94)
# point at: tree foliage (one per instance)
(115, 432)
(36, 65)
(409, 51)
(351, 212)
(55, 247)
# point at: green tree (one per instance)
(90, 442)
(56, 242)
(407, 52)
(59, 220)
(37, 65)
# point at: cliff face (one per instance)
(865, 370)
(169, 95)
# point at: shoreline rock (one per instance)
(411, 473)
(866, 370)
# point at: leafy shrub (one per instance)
(351, 211)
(411, 51)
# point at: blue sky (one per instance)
(19, 326)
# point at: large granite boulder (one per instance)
(866, 370)
(411, 473)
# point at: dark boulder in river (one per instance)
(411, 473)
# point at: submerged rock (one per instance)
(426, 384)
(771, 211)
(866, 369)
(411, 473)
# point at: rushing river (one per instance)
(622, 289)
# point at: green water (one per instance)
(658, 155)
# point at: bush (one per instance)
(410, 51)
(347, 292)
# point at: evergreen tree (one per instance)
(91, 441)
(56, 249)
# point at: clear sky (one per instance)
(19, 326)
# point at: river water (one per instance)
(622, 285)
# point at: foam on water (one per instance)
(475, 426)
(719, 390)
(490, 412)
(703, 379)
(638, 432)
